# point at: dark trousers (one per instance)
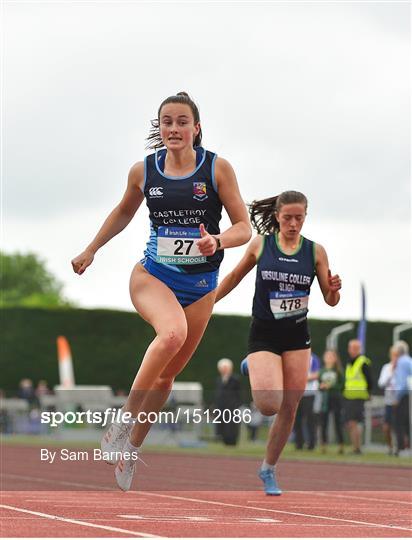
(402, 421)
(305, 418)
(252, 432)
(228, 432)
(334, 405)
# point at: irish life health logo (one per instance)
(199, 191)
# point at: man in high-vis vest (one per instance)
(356, 391)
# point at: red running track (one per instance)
(80, 500)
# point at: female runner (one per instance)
(279, 341)
(173, 287)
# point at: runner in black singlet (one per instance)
(279, 340)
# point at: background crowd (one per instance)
(335, 395)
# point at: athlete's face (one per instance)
(177, 126)
(291, 218)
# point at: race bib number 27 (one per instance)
(177, 245)
(288, 304)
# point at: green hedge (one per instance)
(107, 346)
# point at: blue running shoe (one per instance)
(244, 369)
(269, 482)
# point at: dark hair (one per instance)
(262, 213)
(154, 139)
(338, 363)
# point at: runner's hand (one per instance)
(82, 261)
(207, 244)
(335, 282)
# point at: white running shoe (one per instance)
(124, 471)
(113, 441)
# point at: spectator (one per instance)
(26, 391)
(357, 388)
(305, 420)
(42, 389)
(403, 371)
(5, 424)
(387, 382)
(227, 398)
(331, 385)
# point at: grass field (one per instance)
(245, 449)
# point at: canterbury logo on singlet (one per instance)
(156, 192)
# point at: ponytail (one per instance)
(262, 215)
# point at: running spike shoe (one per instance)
(244, 368)
(113, 441)
(269, 482)
(124, 471)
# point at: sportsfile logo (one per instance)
(156, 192)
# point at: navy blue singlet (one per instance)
(283, 281)
(177, 206)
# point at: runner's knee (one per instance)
(268, 403)
(164, 383)
(172, 339)
(267, 409)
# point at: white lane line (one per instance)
(191, 499)
(54, 482)
(188, 519)
(217, 503)
(332, 494)
(78, 522)
(181, 519)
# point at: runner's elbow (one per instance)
(246, 231)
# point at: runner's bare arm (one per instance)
(240, 232)
(117, 220)
(329, 285)
(245, 265)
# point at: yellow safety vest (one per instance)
(356, 385)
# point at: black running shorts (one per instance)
(354, 409)
(278, 336)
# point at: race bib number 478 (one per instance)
(288, 304)
(177, 245)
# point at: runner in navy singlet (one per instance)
(174, 286)
(279, 340)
